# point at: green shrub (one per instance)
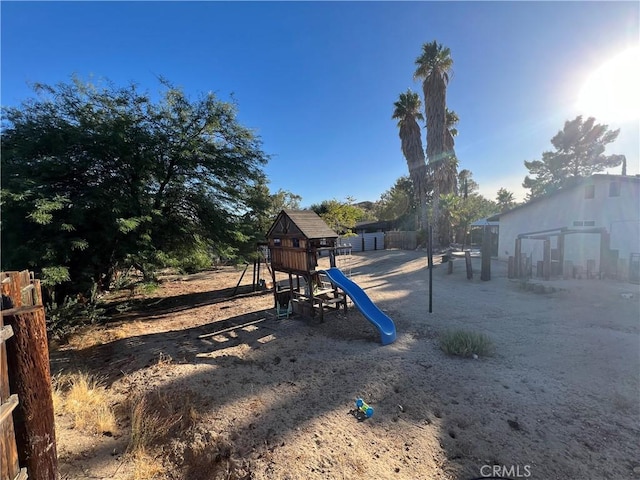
(65, 318)
(196, 261)
(149, 287)
(465, 343)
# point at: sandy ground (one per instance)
(560, 398)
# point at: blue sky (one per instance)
(317, 81)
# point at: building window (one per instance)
(586, 223)
(614, 189)
(277, 242)
(296, 242)
(589, 191)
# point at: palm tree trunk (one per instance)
(435, 216)
(424, 221)
(435, 110)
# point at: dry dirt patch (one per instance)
(559, 399)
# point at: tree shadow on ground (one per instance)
(135, 309)
(128, 355)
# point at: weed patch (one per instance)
(464, 343)
(157, 417)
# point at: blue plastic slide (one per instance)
(382, 322)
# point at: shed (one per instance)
(592, 226)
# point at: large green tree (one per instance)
(433, 67)
(340, 216)
(579, 152)
(266, 207)
(460, 211)
(467, 185)
(407, 112)
(98, 177)
(399, 204)
(505, 200)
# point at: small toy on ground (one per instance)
(362, 410)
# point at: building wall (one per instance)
(370, 241)
(619, 215)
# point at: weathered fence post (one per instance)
(30, 379)
(518, 266)
(9, 465)
(546, 269)
(467, 261)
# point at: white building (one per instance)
(594, 225)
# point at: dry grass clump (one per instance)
(166, 443)
(207, 457)
(157, 419)
(158, 416)
(146, 466)
(466, 344)
(58, 396)
(94, 335)
(83, 396)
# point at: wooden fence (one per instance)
(402, 240)
(9, 466)
(27, 433)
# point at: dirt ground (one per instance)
(559, 399)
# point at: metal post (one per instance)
(485, 272)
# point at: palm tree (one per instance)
(451, 120)
(450, 210)
(407, 112)
(433, 67)
(446, 176)
(449, 171)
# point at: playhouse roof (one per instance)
(307, 222)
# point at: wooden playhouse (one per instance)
(296, 240)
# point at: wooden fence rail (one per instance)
(402, 240)
(27, 432)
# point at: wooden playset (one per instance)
(296, 239)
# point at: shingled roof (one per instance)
(308, 222)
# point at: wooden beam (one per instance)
(517, 263)
(8, 407)
(546, 256)
(561, 255)
(467, 261)
(6, 332)
(22, 475)
(9, 464)
(275, 289)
